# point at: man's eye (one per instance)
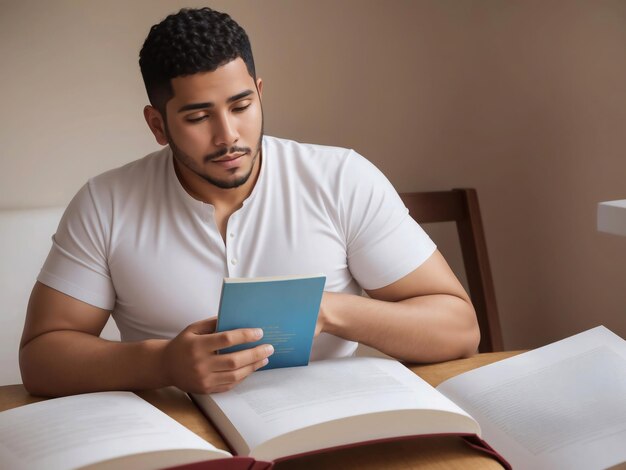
(240, 109)
(197, 119)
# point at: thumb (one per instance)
(203, 327)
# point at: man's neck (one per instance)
(224, 200)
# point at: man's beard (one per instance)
(189, 163)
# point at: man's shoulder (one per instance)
(322, 160)
(286, 148)
(136, 173)
(124, 190)
(315, 160)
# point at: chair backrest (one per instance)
(461, 206)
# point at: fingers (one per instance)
(215, 341)
(203, 326)
(241, 359)
(192, 363)
(229, 338)
(226, 371)
(223, 381)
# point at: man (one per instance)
(151, 241)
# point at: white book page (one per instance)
(272, 403)
(75, 431)
(560, 406)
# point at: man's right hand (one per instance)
(192, 364)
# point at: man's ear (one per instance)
(155, 123)
(259, 87)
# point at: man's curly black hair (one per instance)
(188, 42)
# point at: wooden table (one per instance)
(430, 453)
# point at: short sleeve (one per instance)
(384, 242)
(77, 262)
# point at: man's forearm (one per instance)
(429, 328)
(68, 362)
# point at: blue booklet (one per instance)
(285, 308)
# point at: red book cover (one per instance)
(472, 440)
(234, 463)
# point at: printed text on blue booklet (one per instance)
(285, 308)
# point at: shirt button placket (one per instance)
(231, 247)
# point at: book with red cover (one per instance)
(282, 414)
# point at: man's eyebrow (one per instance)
(208, 104)
(192, 106)
(238, 96)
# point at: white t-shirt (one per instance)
(133, 241)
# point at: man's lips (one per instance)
(229, 161)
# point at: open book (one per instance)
(285, 413)
(105, 431)
(560, 406)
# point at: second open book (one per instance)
(328, 404)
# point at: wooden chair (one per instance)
(461, 206)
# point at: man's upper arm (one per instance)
(383, 242)
(434, 276)
(50, 310)
(78, 263)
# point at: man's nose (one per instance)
(225, 132)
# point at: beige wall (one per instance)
(524, 100)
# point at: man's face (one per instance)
(215, 124)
